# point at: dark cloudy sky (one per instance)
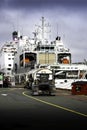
(68, 18)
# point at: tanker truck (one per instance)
(41, 81)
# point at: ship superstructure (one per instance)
(7, 54)
(39, 51)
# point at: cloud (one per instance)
(68, 18)
(26, 4)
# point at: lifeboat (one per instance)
(65, 61)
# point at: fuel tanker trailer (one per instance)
(41, 81)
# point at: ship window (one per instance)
(8, 45)
(55, 67)
(30, 59)
(46, 49)
(8, 68)
(60, 76)
(42, 49)
(51, 48)
(15, 67)
(9, 58)
(9, 64)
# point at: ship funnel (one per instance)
(58, 38)
(15, 35)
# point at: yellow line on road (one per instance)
(54, 105)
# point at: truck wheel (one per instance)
(35, 93)
(51, 94)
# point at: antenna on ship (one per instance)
(42, 30)
(58, 37)
(57, 30)
(35, 36)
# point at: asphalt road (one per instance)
(20, 110)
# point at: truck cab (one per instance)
(43, 82)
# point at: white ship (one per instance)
(66, 74)
(40, 51)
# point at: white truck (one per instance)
(42, 81)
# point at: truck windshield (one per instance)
(44, 77)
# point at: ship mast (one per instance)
(39, 34)
(42, 30)
(44, 27)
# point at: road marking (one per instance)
(54, 105)
(3, 94)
